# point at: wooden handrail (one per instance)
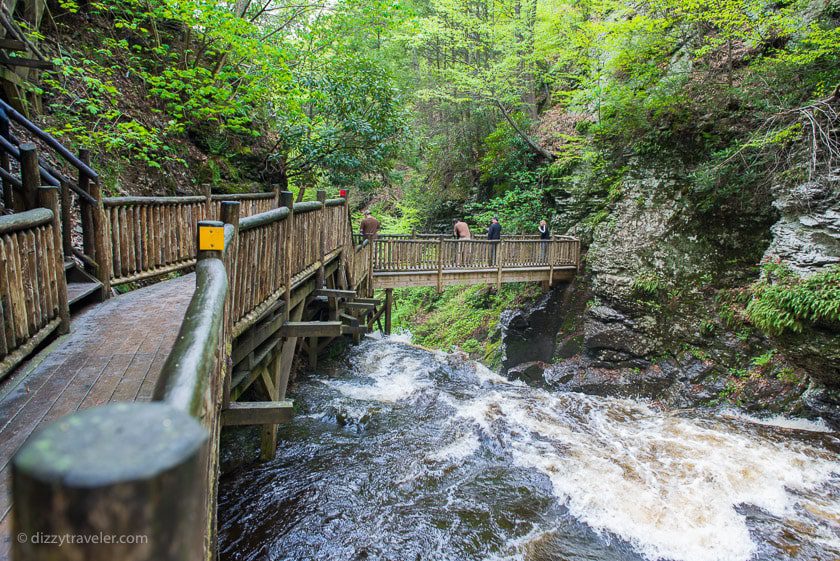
(48, 139)
(120, 201)
(250, 222)
(242, 196)
(187, 370)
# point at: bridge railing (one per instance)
(152, 467)
(33, 296)
(151, 236)
(403, 255)
(259, 271)
(249, 203)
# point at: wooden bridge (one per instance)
(111, 431)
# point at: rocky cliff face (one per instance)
(807, 236)
(650, 327)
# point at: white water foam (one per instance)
(781, 421)
(668, 485)
(394, 376)
(459, 449)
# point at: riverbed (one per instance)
(400, 453)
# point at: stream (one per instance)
(400, 453)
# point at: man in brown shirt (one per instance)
(369, 227)
(461, 230)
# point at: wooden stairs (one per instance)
(82, 288)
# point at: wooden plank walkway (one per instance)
(114, 352)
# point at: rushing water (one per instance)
(405, 454)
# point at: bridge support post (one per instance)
(121, 481)
(389, 303)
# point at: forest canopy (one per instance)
(496, 106)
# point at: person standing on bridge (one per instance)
(369, 227)
(494, 235)
(461, 230)
(545, 235)
(462, 233)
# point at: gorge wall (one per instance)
(649, 316)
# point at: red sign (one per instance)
(342, 193)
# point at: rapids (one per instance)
(400, 453)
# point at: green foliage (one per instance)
(648, 285)
(781, 300)
(301, 96)
(460, 317)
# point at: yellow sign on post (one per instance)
(211, 238)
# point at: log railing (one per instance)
(401, 255)
(250, 204)
(260, 269)
(33, 295)
(161, 459)
(151, 236)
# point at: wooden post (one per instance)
(322, 237)
(287, 353)
(229, 214)
(66, 220)
(48, 198)
(312, 344)
(86, 210)
(287, 199)
(440, 265)
(30, 174)
(389, 303)
(101, 244)
(135, 473)
(8, 188)
(500, 261)
(268, 433)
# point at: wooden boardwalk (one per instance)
(114, 352)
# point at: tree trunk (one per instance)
(536, 148)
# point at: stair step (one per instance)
(77, 291)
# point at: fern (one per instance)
(782, 301)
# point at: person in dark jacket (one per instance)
(545, 235)
(494, 234)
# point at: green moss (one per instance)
(460, 317)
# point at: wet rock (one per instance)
(530, 372)
(581, 375)
(529, 334)
(807, 236)
(823, 402)
(613, 339)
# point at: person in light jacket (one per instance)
(545, 235)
